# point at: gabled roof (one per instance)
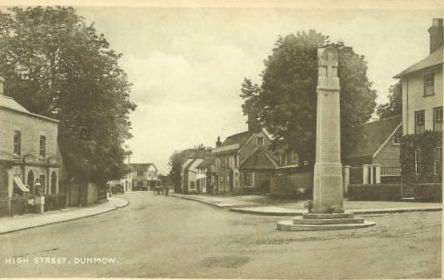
(141, 166)
(187, 163)
(374, 135)
(259, 159)
(434, 59)
(9, 103)
(207, 162)
(191, 163)
(239, 138)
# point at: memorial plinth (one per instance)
(328, 208)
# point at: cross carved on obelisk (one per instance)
(328, 65)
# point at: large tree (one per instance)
(58, 66)
(394, 106)
(285, 101)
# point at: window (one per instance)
(283, 159)
(17, 142)
(247, 179)
(437, 164)
(397, 137)
(437, 119)
(42, 145)
(429, 87)
(259, 141)
(293, 158)
(418, 161)
(235, 161)
(419, 122)
(139, 173)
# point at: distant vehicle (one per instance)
(117, 189)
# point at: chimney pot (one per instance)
(437, 22)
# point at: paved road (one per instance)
(158, 236)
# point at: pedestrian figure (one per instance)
(309, 205)
(166, 191)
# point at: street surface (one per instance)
(158, 236)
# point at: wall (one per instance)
(92, 193)
(414, 100)
(73, 191)
(262, 181)
(31, 128)
(250, 146)
(389, 155)
(289, 184)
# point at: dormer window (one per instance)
(260, 141)
(429, 84)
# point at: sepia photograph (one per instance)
(221, 139)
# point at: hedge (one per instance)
(426, 142)
(387, 192)
(428, 191)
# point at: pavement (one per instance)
(260, 205)
(27, 221)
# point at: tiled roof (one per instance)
(207, 162)
(141, 166)
(373, 136)
(433, 59)
(239, 138)
(187, 163)
(10, 103)
(260, 159)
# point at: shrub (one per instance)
(385, 192)
(426, 143)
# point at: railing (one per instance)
(390, 171)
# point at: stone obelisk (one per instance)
(327, 189)
(328, 211)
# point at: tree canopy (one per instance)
(58, 66)
(285, 101)
(394, 106)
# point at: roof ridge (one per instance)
(384, 119)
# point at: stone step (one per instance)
(300, 221)
(290, 226)
(328, 216)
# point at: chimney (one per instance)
(218, 143)
(2, 80)
(436, 34)
(252, 122)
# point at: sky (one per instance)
(187, 64)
